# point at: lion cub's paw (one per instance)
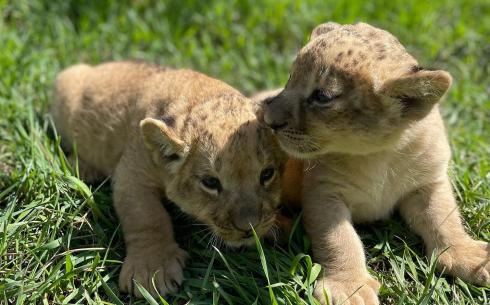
(469, 261)
(361, 290)
(161, 264)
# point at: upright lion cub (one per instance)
(361, 109)
(173, 133)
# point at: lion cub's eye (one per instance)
(266, 175)
(212, 183)
(320, 98)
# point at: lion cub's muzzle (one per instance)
(239, 231)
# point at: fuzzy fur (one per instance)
(377, 145)
(160, 132)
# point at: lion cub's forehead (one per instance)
(217, 117)
(249, 144)
(227, 133)
(358, 49)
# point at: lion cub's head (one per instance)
(353, 89)
(220, 166)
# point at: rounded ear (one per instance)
(323, 29)
(417, 91)
(159, 138)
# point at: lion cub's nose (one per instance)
(277, 126)
(248, 234)
(243, 221)
(273, 121)
(275, 115)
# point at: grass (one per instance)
(59, 239)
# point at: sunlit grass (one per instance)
(60, 242)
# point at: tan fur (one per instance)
(293, 175)
(160, 132)
(377, 142)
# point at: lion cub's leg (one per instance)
(151, 251)
(433, 214)
(338, 248)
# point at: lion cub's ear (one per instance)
(161, 138)
(417, 91)
(323, 29)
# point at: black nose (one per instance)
(277, 126)
(248, 234)
(270, 100)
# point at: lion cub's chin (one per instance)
(297, 152)
(239, 243)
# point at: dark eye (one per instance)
(212, 183)
(266, 175)
(319, 97)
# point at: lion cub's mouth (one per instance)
(239, 239)
(243, 242)
(236, 238)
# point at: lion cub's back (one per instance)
(96, 108)
(68, 88)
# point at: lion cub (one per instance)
(360, 108)
(173, 133)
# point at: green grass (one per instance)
(59, 239)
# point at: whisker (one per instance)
(205, 236)
(200, 231)
(198, 224)
(275, 234)
(310, 165)
(216, 241)
(212, 240)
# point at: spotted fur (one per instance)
(161, 132)
(362, 111)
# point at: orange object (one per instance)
(292, 183)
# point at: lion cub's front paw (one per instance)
(469, 261)
(361, 290)
(161, 264)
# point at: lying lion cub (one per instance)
(360, 108)
(172, 133)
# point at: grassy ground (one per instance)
(59, 239)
